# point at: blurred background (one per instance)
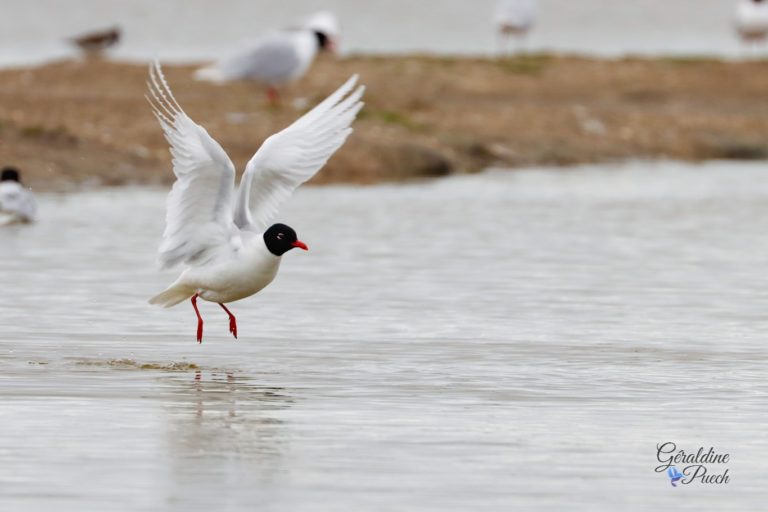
(198, 29)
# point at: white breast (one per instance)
(246, 273)
(752, 20)
(16, 203)
(515, 15)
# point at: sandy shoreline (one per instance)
(70, 124)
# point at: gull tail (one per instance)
(210, 74)
(172, 296)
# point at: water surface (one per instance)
(510, 340)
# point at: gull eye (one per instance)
(280, 236)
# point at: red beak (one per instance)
(300, 245)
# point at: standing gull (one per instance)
(95, 43)
(224, 237)
(278, 57)
(514, 18)
(752, 21)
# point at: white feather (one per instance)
(275, 59)
(291, 157)
(17, 204)
(752, 20)
(199, 208)
(201, 226)
(515, 15)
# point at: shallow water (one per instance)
(510, 340)
(200, 29)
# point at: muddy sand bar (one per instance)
(69, 124)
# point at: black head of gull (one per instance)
(9, 174)
(280, 239)
(324, 43)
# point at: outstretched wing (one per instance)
(198, 221)
(290, 157)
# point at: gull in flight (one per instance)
(222, 236)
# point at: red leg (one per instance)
(232, 321)
(199, 320)
(273, 96)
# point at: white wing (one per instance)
(199, 208)
(290, 157)
(275, 59)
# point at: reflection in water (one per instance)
(224, 421)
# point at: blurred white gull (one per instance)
(17, 204)
(752, 21)
(278, 57)
(222, 235)
(514, 18)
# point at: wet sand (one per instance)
(70, 124)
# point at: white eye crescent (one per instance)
(280, 236)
